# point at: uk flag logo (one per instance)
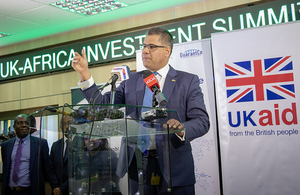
(260, 80)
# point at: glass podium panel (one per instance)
(115, 149)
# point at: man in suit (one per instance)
(58, 162)
(24, 166)
(183, 94)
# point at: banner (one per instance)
(195, 57)
(257, 79)
(123, 46)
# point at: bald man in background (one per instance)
(29, 177)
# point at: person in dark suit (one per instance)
(58, 162)
(184, 95)
(101, 160)
(29, 178)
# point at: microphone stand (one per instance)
(112, 112)
(154, 102)
(159, 113)
(113, 93)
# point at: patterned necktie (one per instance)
(144, 137)
(17, 162)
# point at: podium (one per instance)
(116, 149)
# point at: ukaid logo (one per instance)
(270, 81)
(191, 53)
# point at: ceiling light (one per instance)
(89, 7)
(3, 34)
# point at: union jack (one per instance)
(260, 80)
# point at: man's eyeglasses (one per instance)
(151, 47)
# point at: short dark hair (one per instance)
(17, 118)
(165, 36)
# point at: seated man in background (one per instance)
(103, 165)
(96, 162)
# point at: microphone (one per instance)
(76, 114)
(153, 85)
(108, 113)
(150, 80)
(80, 113)
(59, 111)
(119, 73)
(112, 79)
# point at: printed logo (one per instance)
(260, 80)
(122, 71)
(191, 53)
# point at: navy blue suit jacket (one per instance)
(58, 168)
(37, 183)
(184, 95)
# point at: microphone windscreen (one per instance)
(115, 77)
(146, 73)
(150, 80)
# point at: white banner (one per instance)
(195, 57)
(257, 78)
